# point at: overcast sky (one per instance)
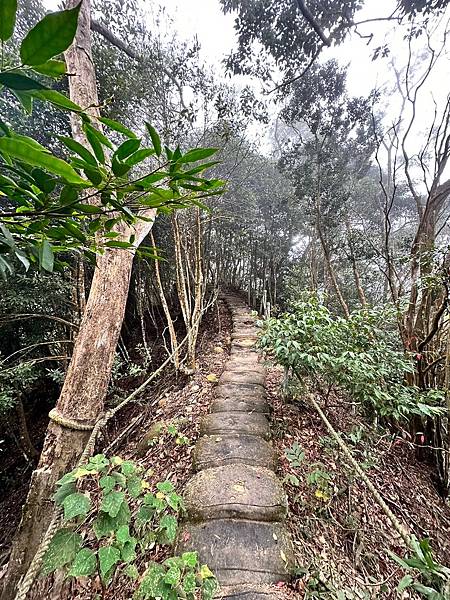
(214, 30)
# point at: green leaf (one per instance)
(107, 483)
(209, 587)
(50, 37)
(189, 584)
(112, 502)
(25, 99)
(8, 9)
(16, 81)
(197, 154)
(84, 565)
(132, 572)
(63, 491)
(118, 244)
(127, 148)
(156, 141)
(116, 126)
(173, 576)
(168, 524)
(57, 99)
(128, 467)
(108, 557)
(61, 551)
(404, 583)
(139, 156)
(52, 68)
(32, 156)
(128, 552)
(75, 505)
(165, 487)
(46, 257)
(190, 558)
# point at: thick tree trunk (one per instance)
(86, 383)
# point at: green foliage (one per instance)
(436, 577)
(125, 517)
(177, 577)
(360, 355)
(47, 209)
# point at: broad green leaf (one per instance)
(128, 467)
(8, 10)
(50, 37)
(75, 505)
(94, 142)
(62, 550)
(151, 585)
(165, 486)
(46, 257)
(79, 149)
(173, 576)
(63, 491)
(128, 552)
(108, 557)
(116, 126)
(23, 259)
(52, 68)
(56, 99)
(123, 534)
(107, 483)
(190, 558)
(112, 502)
(209, 587)
(17, 81)
(127, 148)
(32, 156)
(156, 141)
(197, 154)
(84, 565)
(189, 584)
(168, 524)
(94, 175)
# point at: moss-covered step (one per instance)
(217, 450)
(237, 422)
(235, 492)
(238, 551)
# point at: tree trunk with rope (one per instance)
(82, 397)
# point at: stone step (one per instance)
(236, 422)
(243, 366)
(244, 405)
(239, 552)
(235, 492)
(245, 592)
(239, 390)
(218, 450)
(244, 342)
(239, 377)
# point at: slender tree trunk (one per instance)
(359, 288)
(86, 383)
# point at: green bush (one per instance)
(361, 355)
(122, 516)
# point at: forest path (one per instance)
(236, 506)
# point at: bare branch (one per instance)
(312, 21)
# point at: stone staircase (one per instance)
(236, 506)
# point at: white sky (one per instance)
(214, 30)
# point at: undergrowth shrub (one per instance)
(111, 517)
(361, 355)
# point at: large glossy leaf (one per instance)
(17, 81)
(50, 37)
(52, 68)
(32, 156)
(8, 10)
(46, 258)
(62, 550)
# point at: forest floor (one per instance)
(340, 534)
